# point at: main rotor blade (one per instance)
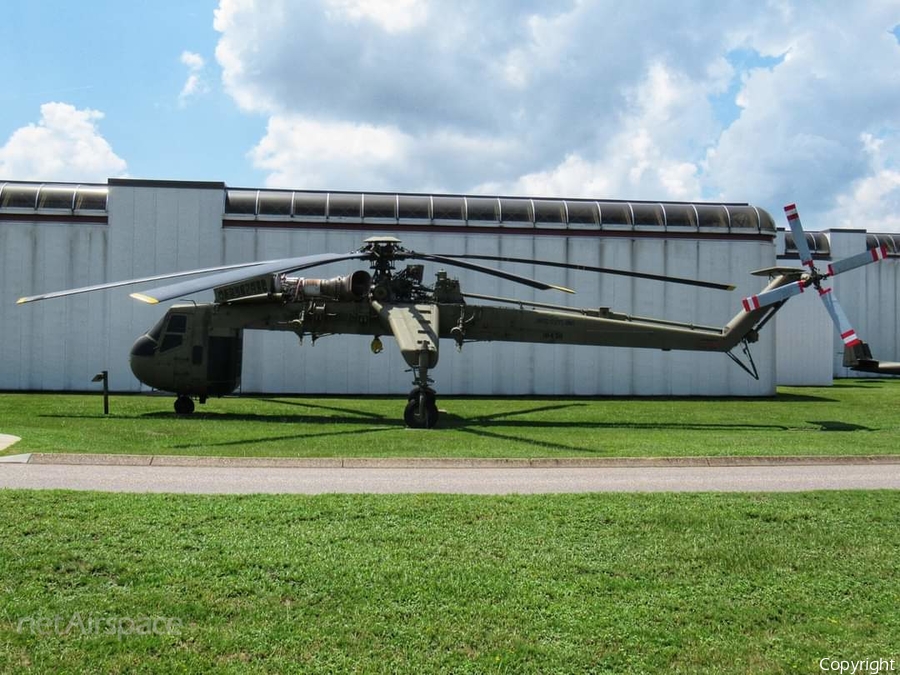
(858, 260)
(509, 276)
(600, 270)
(163, 293)
(128, 282)
(799, 235)
(841, 322)
(774, 296)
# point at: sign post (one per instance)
(104, 378)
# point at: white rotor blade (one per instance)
(774, 296)
(799, 235)
(128, 282)
(858, 260)
(182, 288)
(848, 335)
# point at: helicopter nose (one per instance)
(143, 346)
(142, 364)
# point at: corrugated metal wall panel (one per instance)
(50, 345)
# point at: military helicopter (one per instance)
(195, 350)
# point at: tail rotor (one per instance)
(816, 279)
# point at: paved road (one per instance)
(242, 480)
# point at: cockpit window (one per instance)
(175, 331)
(177, 324)
(156, 331)
(171, 341)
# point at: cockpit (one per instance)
(175, 327)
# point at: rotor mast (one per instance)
(382, 253)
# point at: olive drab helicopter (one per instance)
(195, 350)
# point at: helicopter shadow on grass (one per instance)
(346, 415)
(492, 426)
(476, 427)
(350, 416)
(287, 437)
(449, 421)
(499, 426)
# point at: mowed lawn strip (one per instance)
(854, 417)
(571, 583)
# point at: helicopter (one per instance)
(195, 349)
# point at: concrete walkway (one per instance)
(135, 473)
(6, 440)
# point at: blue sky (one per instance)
(124, 59)
(778, 101)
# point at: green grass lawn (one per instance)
(429, 583)
(852, 417)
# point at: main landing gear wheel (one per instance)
(421, 410)
(184, 405)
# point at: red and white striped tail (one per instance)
(850, 338)
(868, 257)
(767, 298)
(879, 253)
(791, 212)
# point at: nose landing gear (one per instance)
(421, 409)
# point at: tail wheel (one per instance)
(184, 405)
(421, 411)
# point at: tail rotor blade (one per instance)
(799, 235)
(841, 322)
(774, 296)
(858, 260)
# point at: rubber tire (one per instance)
(414, 395)
(412, 418)
(184, 405)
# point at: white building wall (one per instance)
(52, 345)
(806, 342)
(154, 228)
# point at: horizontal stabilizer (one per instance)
(779, 272)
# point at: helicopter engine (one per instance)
(351, 287)
(188, 355)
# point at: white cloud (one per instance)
(873, 201)
(195, 84)
(193, 61)
(584, 97)
(659, 123)
(797, 138)
(64, 145)
(299, 151)
(393, 16)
